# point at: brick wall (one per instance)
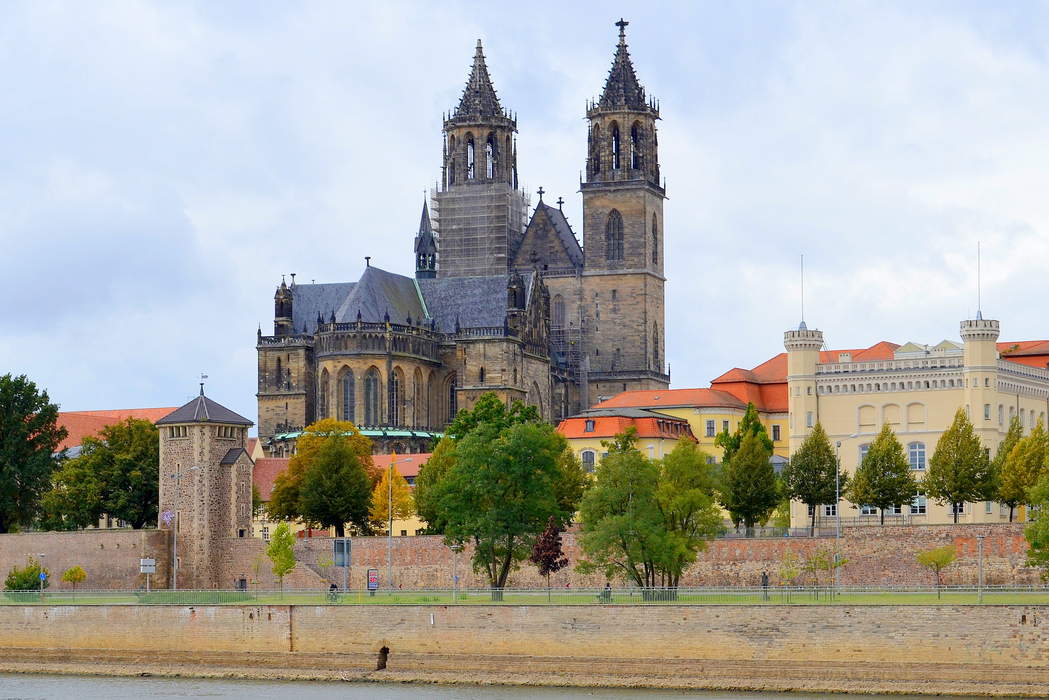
(876, 556)
(110, 557)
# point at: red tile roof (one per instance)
(667, 427)
(1033, 353)
(267, 469)
(82, 424)
(671, 397)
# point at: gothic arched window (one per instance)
(615, 146)
(489, 157)
(372, 394)
(655, 240)
(595, 148)
(470, 158)
(347, 398)
(278, 375)
(635, 146)
(557, 317)
(322, 399)
(614, 236)
(417, 398)
(397, 387)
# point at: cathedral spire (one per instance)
(622, 89)
(425, 248)
(479, 101)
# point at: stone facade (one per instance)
(501, 302)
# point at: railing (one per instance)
(727, 595)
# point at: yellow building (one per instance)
(657, 432)
(914, 389)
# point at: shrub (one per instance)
(26, 578)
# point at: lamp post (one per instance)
(837, 509)
(456, 548)
(979, 581)
(42, 574)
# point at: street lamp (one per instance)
(837, 509)
(456, 548)
(389, 515)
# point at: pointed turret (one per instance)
(425, 248)
(479, 102)
(622, 90)
(282, 310)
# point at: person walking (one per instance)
(765, 585)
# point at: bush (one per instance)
(27, 578)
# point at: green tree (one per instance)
(258, 506)
(750, 490)
(823, 559)
(749, 424)
(27, 578)
(325, 452)
(809, 477)
(501, 492)
(29, 437)
(74, 575)
(281, 553)
(937, 560)
(74, 501)
(336, 488)
(1025, 464)
(1007, 489)
(959, 471)
(427, 503)
(391, 487)
(884, 478)
(685, 498)
(1037, 529)
(491, 412)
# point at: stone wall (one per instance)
(965, 636)
(876, 556)
(110, 557)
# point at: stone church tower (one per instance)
(205, 488)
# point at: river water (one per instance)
(33, 687)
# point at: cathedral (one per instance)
(504, 297)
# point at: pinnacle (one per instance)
(479, 100)
(622, 89)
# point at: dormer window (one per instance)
(589, 426)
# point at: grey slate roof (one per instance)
(203, 410)
(308, 300)
(232, 456)
(564, 233)
(475, 301)
(380, 292)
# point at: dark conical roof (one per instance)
(424, 242)
(479, 101)
(622, 90)
(203, 410)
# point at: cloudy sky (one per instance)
(162, 164)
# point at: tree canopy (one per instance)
(116, 473)
(809, 477)
(749, 488)
(281, 552)
(959, 471)
(1010, 485)
(29, 437)
(749, 424)
(391, 487)
(1025, 464)
(427, 501)
(329, 479)
(884, 478)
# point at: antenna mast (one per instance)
(979, 283)
(802, 325)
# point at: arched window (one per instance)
(557, 315)
(397, 388)
(595, 147)
(615, 146)
(916, 455)
(489, 157)
(452, 407)
(588, 461)
(322, 399)
(470, 158)
(372, 397)
(655, 348)
(655, 240)
(417, 398)
(614, 236)
(278, 375)
(347, 396)
(635, 146)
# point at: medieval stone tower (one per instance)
(205, 488)
(479, 211)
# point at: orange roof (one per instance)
(268, 468)
(1033, 353)
(667, 427)
(671, 397)
(82, 424)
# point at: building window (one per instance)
(470, 158)
(710, 428)
(372, 394)
(919, 505)
(987, 411)
(808, 419)
(957, 509)
(588, 461)
(655, 241)
(896, 510)
(589, 426)
(724, 426)
(614, 236)
(1001, 415)
(868, 510)
(635, 147)
(557, 312)
(615, 146)
(830, 510)
(916, 455)
(347, 387)
(988, 507)
(810, 509)
(489, 155)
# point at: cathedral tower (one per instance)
(623, 235)
(480, 212)
(425, 248)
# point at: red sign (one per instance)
(373, 579)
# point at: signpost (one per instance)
(342, 557)
(147, 566)
(373, 581)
